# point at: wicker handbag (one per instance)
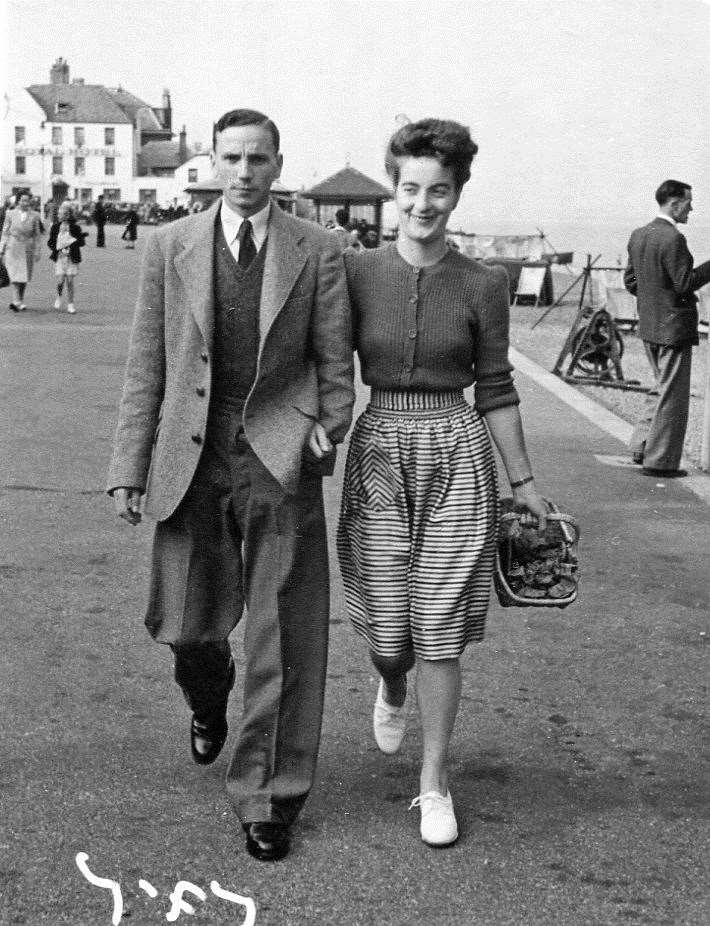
(533, 569)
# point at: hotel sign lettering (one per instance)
(59, 151)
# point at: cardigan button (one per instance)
(197, 438)
(204, 357)
(412, 332)
(200, 391)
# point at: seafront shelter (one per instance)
(349, 189)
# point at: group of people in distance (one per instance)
(21, 247)
(239, 385)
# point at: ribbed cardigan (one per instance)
(432, 328)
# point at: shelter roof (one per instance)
(348, 185)
(78, 103)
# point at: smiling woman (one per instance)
(416, 538)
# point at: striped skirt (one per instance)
(416, 538)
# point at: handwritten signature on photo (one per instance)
(178, 903)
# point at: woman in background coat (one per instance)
(20, 248)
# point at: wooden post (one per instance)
(705, 442)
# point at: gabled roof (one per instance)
(78, 103)
(348, 185)
(131, 105)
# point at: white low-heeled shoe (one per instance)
(388, 723)
(438, 826)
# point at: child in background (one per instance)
(65, 242)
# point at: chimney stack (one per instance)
(182, 149)
(59, 72)
(167, 119)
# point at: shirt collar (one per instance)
(232, 222)
(662, 215)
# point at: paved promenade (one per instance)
(580, 772)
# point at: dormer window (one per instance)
(61, 108)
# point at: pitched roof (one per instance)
(78, 103)
(162, 154)
(131, 105)
(348, 184)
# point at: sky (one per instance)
(580, 108)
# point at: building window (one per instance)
(79, 136)
(79, 166)
(192, 175)
(57, 164)
(19, 134)
(109, 166)
(20, 167)
(56, 134)
(112, 194)
(147, 196)
(109, 136)
(85, 195)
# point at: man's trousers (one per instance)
(660, 432)
(238, 542)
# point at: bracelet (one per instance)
(521, 482)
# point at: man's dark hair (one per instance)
(341, 216)
(447, 141)
(246, 117)
(671, 189)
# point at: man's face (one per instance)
(246, 163)
(681, 208)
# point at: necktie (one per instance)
(247, 248)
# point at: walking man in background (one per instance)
(661, 275)
(239, 382)
(99, 217)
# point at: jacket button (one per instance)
(204, 357)
(200, 391)
(197, 438)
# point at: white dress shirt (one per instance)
(232, 222)
(662, 215)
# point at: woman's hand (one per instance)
(527, 496)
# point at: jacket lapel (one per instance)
(194, 265)
(283, 263)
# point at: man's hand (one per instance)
(318, 441)
(127, 501)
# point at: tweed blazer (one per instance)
(304, 369)
(661, 275)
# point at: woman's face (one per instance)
(24, 203)
(426, 195)
(64, 213)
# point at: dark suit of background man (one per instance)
(99, 217)
(660, 274)
(239, 382)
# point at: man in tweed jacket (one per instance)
(661, 275)
(239, 383)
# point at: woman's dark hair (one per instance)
(447, 141)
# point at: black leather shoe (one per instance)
(637, 458)
(267, 842)
(14, 308)
(664, 473)
(212, 732)
(213, 735)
